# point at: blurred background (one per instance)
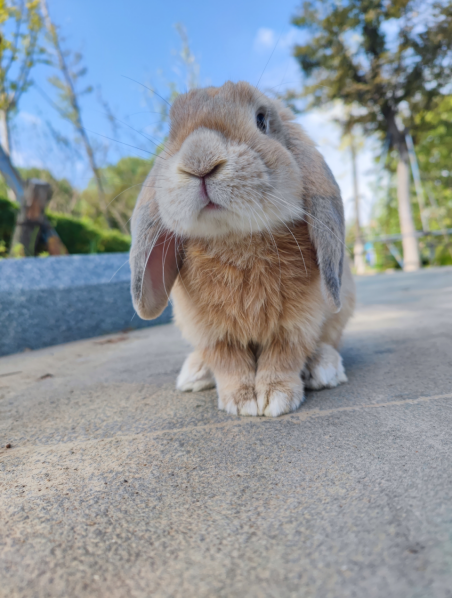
(85, 89)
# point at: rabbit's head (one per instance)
(235, 164)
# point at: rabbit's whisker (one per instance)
(308, 214)
(267, 226)
(290, 231)
(124, 143)
(114, 274)
(178, 269)
(163, 263)
(127, 189)
(151, 90)
(154, 239)
(158, 144)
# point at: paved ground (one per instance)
(117, 485)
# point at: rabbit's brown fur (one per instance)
(257, 282)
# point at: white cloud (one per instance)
(289, 39)
(29, 119)
(26, 159)
(268, 39)
(265, 39)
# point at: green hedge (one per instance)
(8, 214)
(79, 235)
(113, 241)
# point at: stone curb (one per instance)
(47, 301)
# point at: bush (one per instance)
(113, 241)
(8, 214)
(79, 235)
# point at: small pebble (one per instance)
(8, 446)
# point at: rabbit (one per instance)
(242, 221)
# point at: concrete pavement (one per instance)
(117, 485)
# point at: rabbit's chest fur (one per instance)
(245, 290)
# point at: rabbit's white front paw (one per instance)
(238, 399)
(278, 395)
(325, 369)
(195, 375)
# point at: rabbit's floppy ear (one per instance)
(155, 257)
(325, 218)
(323, 209)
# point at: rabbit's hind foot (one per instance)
(324, 369)
(195, 375)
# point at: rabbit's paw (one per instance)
(324, 369)
(239, 400)
(278, 395)
(195, 375)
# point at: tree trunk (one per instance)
(11, 176)
(4, 132)
(411, 260)
(358, 249)
(29, 221)
(33, 230)
(6, 145)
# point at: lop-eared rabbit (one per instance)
(242, 221)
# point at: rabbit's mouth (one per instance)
(212, 206)
(209, 205)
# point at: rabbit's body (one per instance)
(244, 294)
(247, 224)
(233, 301)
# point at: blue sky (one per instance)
(238, 40)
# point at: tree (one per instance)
(433, 142)
(389, 58)
(68, 106)
(122, 182)
(21, 25)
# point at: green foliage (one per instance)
(21, 25)
(113, 241)
(81, 236)
(18, 251)
(122, 183)
(8, 214)
(434, 250)
(433, 144)
(433, 139)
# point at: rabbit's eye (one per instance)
(261, 122)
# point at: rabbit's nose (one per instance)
(202, 170)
